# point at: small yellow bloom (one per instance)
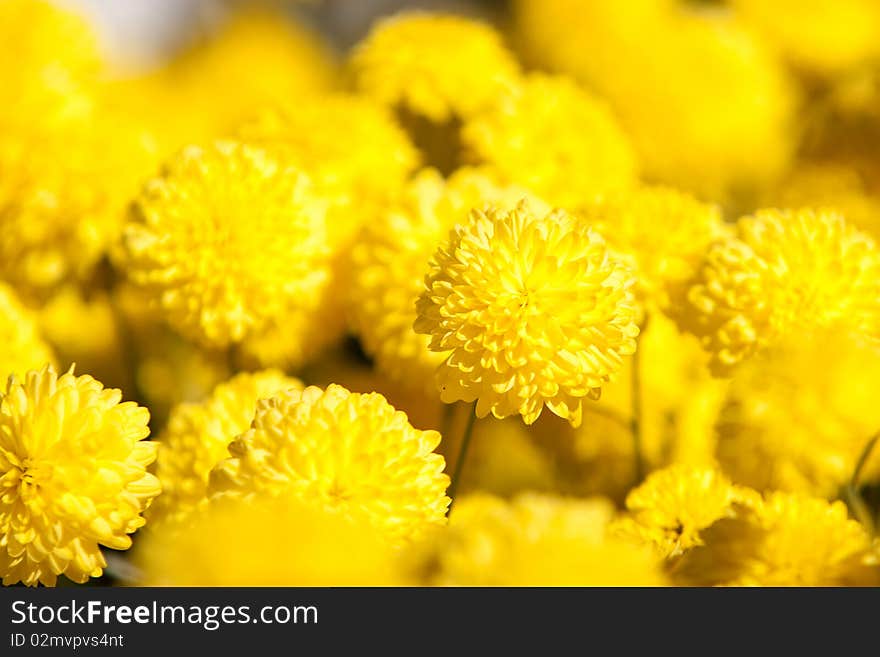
(197, 435)
(341, 450)
(532, 310)
(555, 139)
(787, 539)
(73, 476)
(256, 58)
(438, 66)
(227, 239)
(673, 506)
(661, 231)
(534, 540)
(392, 256)
(707, 104)
(784, 273)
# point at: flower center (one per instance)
(32, 476)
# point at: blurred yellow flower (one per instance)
(73, 476)
(698, 94)
(268, 542)
(50, 63)
(817, 35)
(533, 540)
(662, 232)
(68, 164)
(341, 450)
(788, 539)
(64, 191)
(439, 66)
(555, 139)
(197, 435)
(798, 417)
(785, 273)
(257, 58)
(674, 505)
(391, 259)
(227, 239)
(22, 348)
(532, 310)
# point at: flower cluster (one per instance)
(593, 299)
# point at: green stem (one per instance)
(462, 454)
(635, 422)
(854, 498)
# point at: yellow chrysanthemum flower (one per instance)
(798, 418)
(697, 93)
(73, 476)
(369, 164)
(21, 346)
(341, 450)
(783, 273)
(534, 540)
(391, 259)
(662, 232)
(268, 542)
(554, 138)
(228, 239)
(827, 37)
(670, 510)
(197, 435)
(786, 540)
(532, 310)
(438, 66)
